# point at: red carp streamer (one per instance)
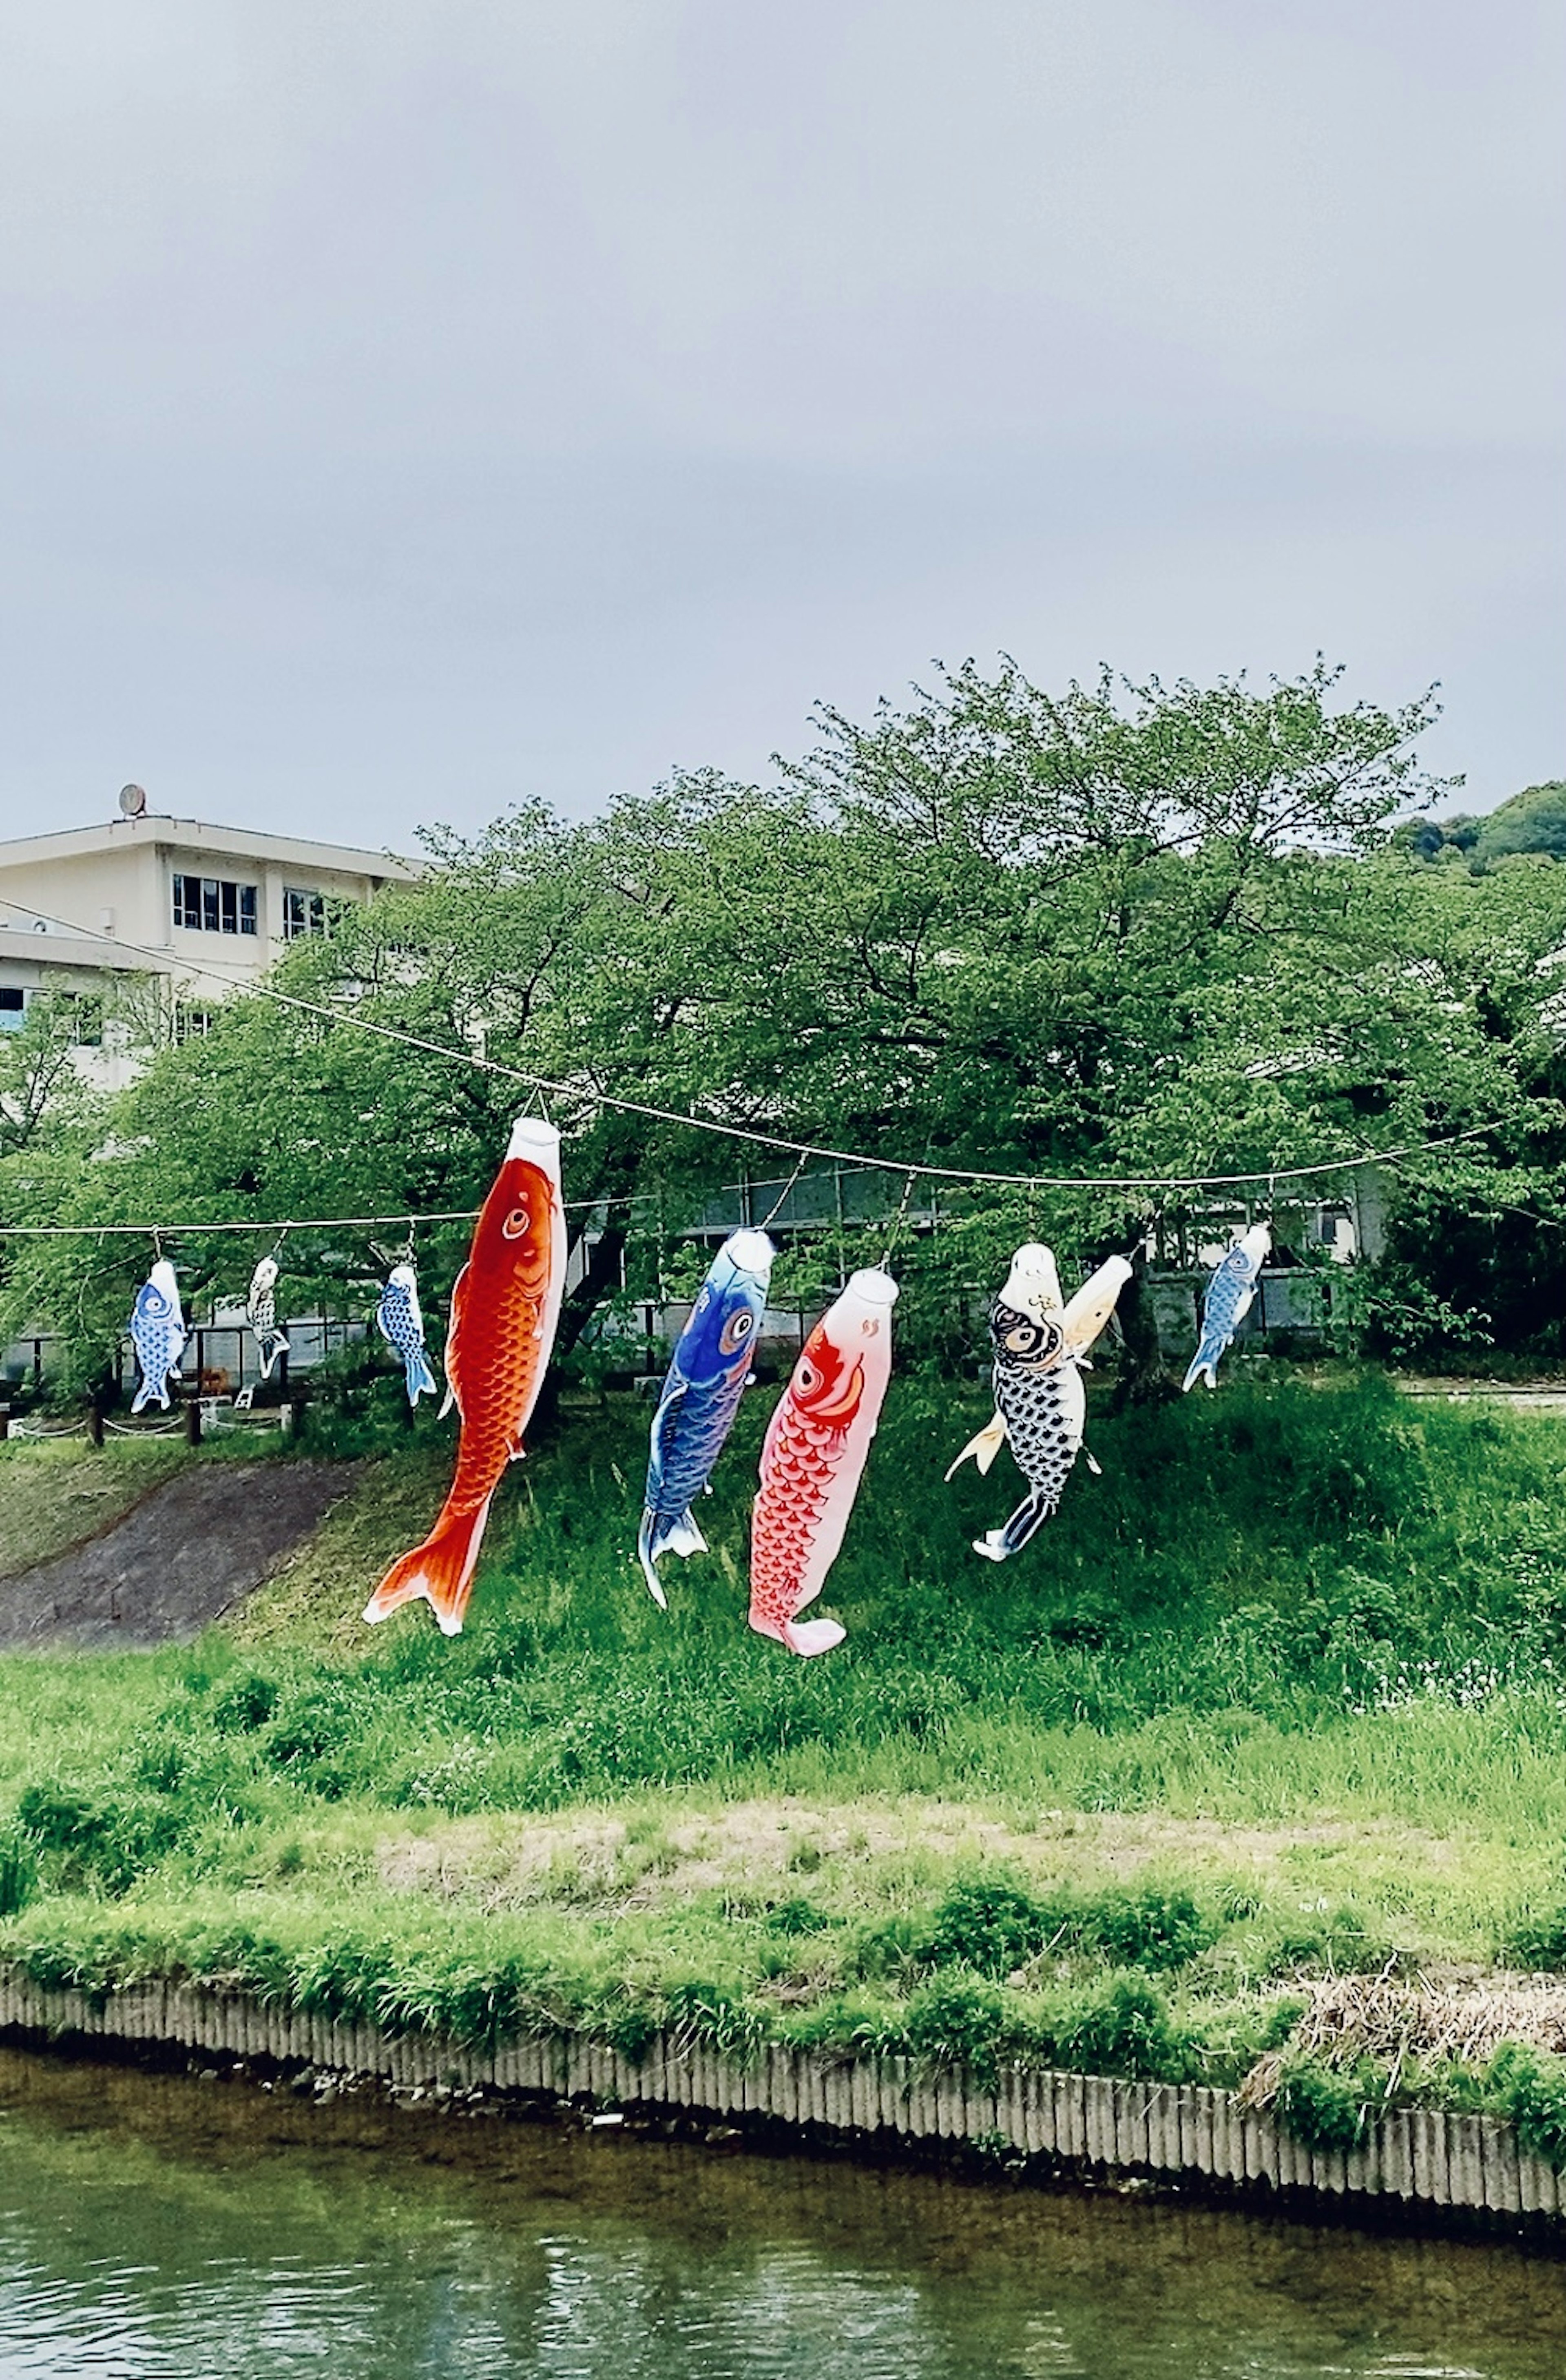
(504, 1309)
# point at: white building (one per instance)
(190, 910)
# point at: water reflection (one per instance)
(164, 2230)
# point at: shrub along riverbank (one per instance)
(1272, 1705)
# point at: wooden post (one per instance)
(4, 1422)
(95, 1421)
(193, 1421)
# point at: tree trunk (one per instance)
(602, 1275)
(1144, 1379)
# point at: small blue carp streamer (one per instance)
(157, 1333)
(402, 1326)
(260, 1312)
(706, 1380)
(1228, 1301)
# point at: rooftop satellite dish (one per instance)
(132, 800)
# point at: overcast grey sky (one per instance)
(408, 407)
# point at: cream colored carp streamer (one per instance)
(1041, 1349)
(813, 1459)
(260, 1312)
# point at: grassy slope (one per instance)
(1276, 1693)
(52, 1496)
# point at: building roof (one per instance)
(195, 834)
(25, 948)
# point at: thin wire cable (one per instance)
(218, 972)
(316, 1223)
(777, 1205)
(893, 1236)
(311, 1223)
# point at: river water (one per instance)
(167, 2228)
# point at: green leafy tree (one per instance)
(1533, 820)
(1122, 930)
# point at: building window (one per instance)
(191, 1023)
(215, 905)
(87, 1019)
(13, 1008)
(306, 913)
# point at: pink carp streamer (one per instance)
(813, 1459)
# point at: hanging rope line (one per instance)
(894, 1234)
(777, 1206)
(803, 1149)
(320, 1223)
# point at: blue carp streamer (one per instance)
(157, 1333)
(706, 1380)
(1228, 1301)
(402, 1325)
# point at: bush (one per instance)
(991, 1924)
(796, 1916)
(18, 1871)
(894, 1948)
(56, 1817)
(105, 1840)
(244, 1704)
(960, 2022)
(1537, 1940)
(1125, 2030)
(1531, 2087)
(1320, 2108)
(1150, 1928)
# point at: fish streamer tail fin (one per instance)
(806, 1637)
(420, 1380)
(441, 1570)
(984, 1447)
(648, 1560)
(810, 1637)
(681, 1536)
(1203, 1366)
(998, 1544)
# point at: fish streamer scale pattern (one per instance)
(1037, 1408)
(805, 1460)
(490, 1400)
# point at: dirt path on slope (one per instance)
(182, 1556)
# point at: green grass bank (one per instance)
(1253, 1764)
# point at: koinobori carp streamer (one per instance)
(158, 1334)
(1041, 1348)
(696, 1412)
(813, 1459)
(400, 1321)
(1228, 1301)
(504, 1310)
(260, 1312)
